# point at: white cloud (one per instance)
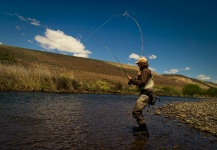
(172, 71)
(152, 56)
(130, 64)
(187, 68)
(18, 27)
(203, 77)
(134, 56)
(30, 41)
(9, 14)
(32, 21)
(21, 18)
(62, 42)
(0, 43)
(152, 69)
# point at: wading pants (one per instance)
(141, 103)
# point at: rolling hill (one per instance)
(85, 69)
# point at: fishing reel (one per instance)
(129, 83)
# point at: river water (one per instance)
(31, 120)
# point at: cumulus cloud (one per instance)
(172, 71)
(152, 56)
(203, 77)
(0, 43)
(134, 56)
(62, 42)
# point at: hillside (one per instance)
(84, 69)
(187, 80)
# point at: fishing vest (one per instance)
(149, 85)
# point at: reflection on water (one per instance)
(88, 121)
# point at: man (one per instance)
(145, 83)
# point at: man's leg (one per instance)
(141, 103)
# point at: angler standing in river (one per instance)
(145, 83)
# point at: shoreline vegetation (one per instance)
(38, 78)
(42, 79)
(201, 114)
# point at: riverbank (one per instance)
(43, 79)
(200, 114)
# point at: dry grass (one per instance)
(35, 78)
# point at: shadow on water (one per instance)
(89, 121)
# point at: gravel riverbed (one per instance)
(201, 114)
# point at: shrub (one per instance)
(191, 89)
(63, 83)
(118, 86)
(75, 84)
(8, 58)
(212, 91)
(101, 86)
(170, 91)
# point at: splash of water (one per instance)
(125, 14)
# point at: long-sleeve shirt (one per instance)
(142, 79)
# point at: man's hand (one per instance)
(129, 77)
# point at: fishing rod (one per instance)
(109, 50)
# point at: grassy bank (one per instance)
(39, 78)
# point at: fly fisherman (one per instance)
(145, 83)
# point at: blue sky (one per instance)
(178, 36)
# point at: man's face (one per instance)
(139, 65)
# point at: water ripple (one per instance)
(88, 121)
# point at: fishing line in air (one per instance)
(108, 49)
(125, 14)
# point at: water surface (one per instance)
(89, 121)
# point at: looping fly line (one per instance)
(127, 15)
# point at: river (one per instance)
(35, 120)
